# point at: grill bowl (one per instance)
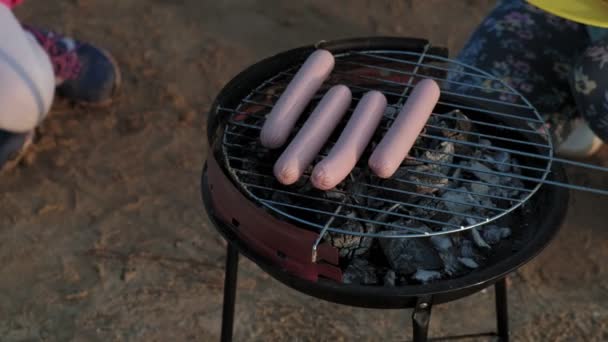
(533, 225)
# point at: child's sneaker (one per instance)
(13, 147)
(84, 73)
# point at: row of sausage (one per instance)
(308, 142)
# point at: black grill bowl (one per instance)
(536, 223)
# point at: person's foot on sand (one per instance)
(84, 73)
(13, 147)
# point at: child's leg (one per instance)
(590, 87)
(27, 81)
(532, 51)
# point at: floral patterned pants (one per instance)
(550, 61)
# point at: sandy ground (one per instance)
(103, 236)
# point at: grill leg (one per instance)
(232, 264)
(421, 318)
(502, 312)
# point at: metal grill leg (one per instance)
(232, 264)
(421, 318)
(502, 312)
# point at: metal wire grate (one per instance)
(448, 184)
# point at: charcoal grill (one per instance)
(288, 238)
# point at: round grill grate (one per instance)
(483, 153)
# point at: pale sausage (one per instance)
(295, 98)
(397, 142)
(352, 142)
(313, 135)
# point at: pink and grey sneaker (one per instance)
(84, 73)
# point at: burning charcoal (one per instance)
(431, 177)
(335, 196)
(515, 166)
(479, 241)
(456, 239)
(448, 254)
(371, 200)
(443, 155)
(384, 215)
(360, 271)
(486, 202)
(485, 142)
(460, 122)
(459, 130)
(303, 185)
(405, 255)
(451, 266)
(425, 276)
(459, 201)
(456, 220)
(402, 190)
(457, 174)
(390, 278)
(468, 262)
(479, 189)
(466, 249)
(484, 173)
(502, 159)
(429, 180)
(280, 197)
(512, 182)
(351, 245)
(355, 184)
(422, 209)
(493, 234)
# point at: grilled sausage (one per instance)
(352, 142)
(312, 136)
(295, 98)
(397, 142)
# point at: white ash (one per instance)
(478, 188)
(467, 249)
(441, 242)
(459, 201)
(482, 193)
(484, 173)
(448, 252)
(468, 262)
(479, 241)
(502, 161)
(425, 276)
(494, 234)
